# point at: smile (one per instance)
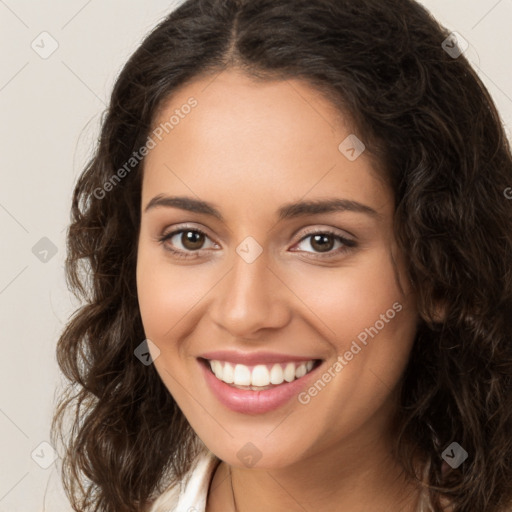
(260, 376)
(257, 388)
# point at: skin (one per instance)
(250, 148)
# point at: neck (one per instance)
(356, 476)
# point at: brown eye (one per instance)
(325, 244)
(192, 240)
(186, 242)
(322, 242)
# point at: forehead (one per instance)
(270, 113)
(256, 139)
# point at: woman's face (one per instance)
(292, 260)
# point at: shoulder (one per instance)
(192, 491)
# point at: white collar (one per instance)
(191, 493)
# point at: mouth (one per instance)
(257, 382)
(259, 377)
(257, 387)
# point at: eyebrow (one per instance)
(287, 211)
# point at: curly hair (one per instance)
(432, 127)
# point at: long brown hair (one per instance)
(432, 126)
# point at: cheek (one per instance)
(166, 292)
(167, 296)
(370, 325)
(350, 298)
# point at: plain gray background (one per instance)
(50, 111)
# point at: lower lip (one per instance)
(247, 401)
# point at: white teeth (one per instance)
(276, 374)
(289, 372)
(242, 375)
(228, 373)
(260, 375)
(300, 371)
(217, 368)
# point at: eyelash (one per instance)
(347, 243)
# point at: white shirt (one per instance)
(190, 494)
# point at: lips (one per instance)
(267, 370)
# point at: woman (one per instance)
(297, 246)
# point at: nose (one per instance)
(249, 298)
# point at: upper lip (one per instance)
(253, 358)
